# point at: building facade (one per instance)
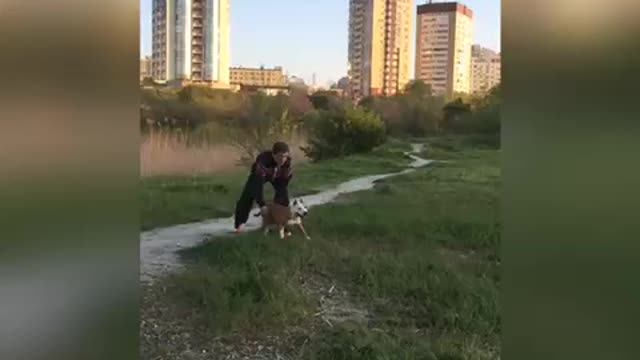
(485, 69)
(380, 46)
(258, 76)
(145, 67)
(444, 36)
(191, 41)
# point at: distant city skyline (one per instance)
(307, 37)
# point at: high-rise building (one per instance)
(485, 69)
(191, 41)
(444, 35)
(145, 67)
(380, 45)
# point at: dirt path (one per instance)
(159, 247)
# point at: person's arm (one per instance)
(258, 178)
(285, 174)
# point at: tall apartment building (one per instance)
(258, 77)
(191, 41)
(145, 67)
(380, 45)
(485, 69)
(444, 35)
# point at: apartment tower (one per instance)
(444, 35)
(485, 69)
(380, 45)
(191, 41)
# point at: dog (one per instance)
(281, 217)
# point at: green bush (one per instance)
(478, 116)
(344, 131)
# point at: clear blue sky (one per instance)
(308, 36)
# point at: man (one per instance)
(270, 166)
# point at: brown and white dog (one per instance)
(281, 217)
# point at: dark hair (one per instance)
(280, 147)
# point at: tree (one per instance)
(299, 104)
(418, 89)
(263, 121)
(457, 116)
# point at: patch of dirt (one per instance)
(170, 332)
(335, 304)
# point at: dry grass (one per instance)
(175, 154)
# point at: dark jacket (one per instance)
(265, 169)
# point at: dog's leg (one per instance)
(303, 231)
(265, 230)
(281, 232)
(287, 231)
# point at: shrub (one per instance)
(344, 131)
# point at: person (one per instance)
(272, 166)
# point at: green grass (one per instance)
(169, 200)
(420, 252)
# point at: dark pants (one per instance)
(253, 192)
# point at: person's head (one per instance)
(280, 152)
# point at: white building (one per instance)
(485, 69)
(191, 41)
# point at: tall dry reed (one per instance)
(177, 153)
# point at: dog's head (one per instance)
(298, 208)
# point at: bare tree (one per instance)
(262, 121)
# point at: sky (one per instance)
(308, 36)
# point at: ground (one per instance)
(409, 270)
(170, 200)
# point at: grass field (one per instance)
(409, 270)
(169, 200)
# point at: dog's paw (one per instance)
(308, 237)
(288, 234)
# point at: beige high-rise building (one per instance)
(380, 45)
(485, 69)
(191, 41)
(444, 35)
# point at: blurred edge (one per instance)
(571, 175)
(69, 265)
(69, 157)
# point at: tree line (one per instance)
(333, 126)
